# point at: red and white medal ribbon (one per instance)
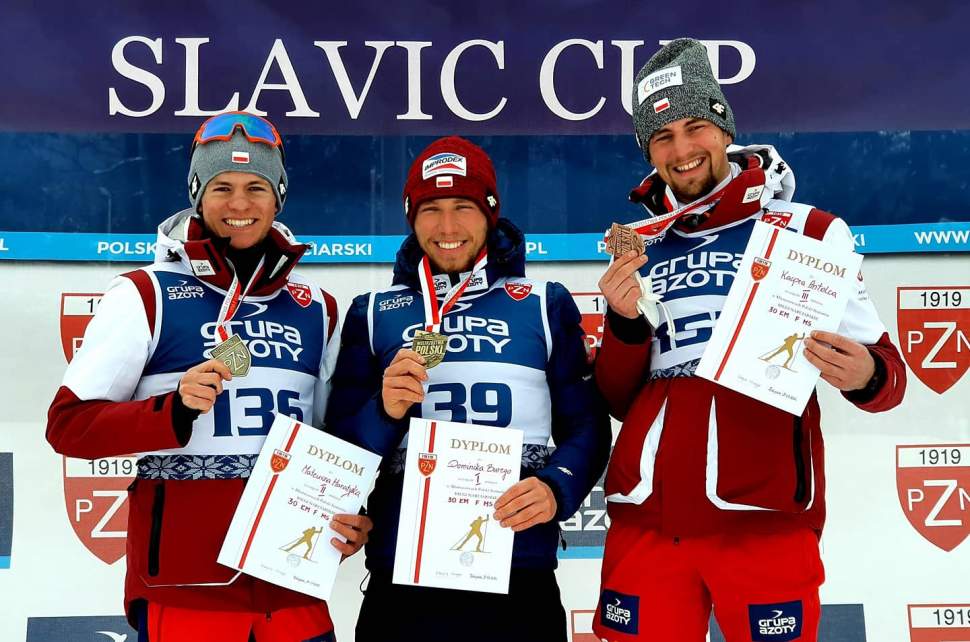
(651, 228)
(433, 313)
(234, 297)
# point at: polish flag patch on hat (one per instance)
(661, 105)
(444, 181)
(240, 157)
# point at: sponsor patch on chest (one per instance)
(518, 291)
(301, 293)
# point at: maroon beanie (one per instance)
(452, 167)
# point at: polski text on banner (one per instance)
(281, 529)
(787, 286)
(453, 475)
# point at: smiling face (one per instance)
(691, 156)
(239, 206)
(451, 231)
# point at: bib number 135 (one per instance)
(257, 406)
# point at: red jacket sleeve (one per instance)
(96, 428)
(622, 361)
(889, 381)
(93, 414)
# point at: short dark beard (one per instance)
(705, 189)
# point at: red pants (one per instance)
(300, 624)
(762, 587)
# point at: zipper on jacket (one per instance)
(800, 484)
(154, 539)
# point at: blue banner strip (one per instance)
(140, 248)
(4, 561)
(581, 553)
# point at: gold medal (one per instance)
(234, 353)
(430, 345)
(623, 239)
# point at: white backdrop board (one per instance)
(894, 545)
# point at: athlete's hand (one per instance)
(354, 528)
(526, 504)
(844, 363)
(201, 384)
(619, 284)
(402, 382)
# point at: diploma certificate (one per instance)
(787, 286)
(281, 530)
(447, 536)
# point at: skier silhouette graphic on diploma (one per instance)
(475, 530)
(307, 539)
(787, 346)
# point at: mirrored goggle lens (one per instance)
(221, 127)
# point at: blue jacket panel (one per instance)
(512, 360)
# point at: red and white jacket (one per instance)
(693, 457)
(119, 398)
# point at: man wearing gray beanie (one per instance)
(716, 499)
(186, 363)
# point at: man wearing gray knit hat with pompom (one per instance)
(717, 500)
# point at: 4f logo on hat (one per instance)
(718, 107)
(444, 163)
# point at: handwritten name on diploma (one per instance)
(787, 285)
(453, 475)
(281, 529)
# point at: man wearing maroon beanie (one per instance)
(515, 357)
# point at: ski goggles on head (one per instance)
(224, 126)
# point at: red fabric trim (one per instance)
(205, 250)
(619, 370)
(100, 428)
(143, 282)
(894, 388)
(293, 253)
(331, 305)
(817, 223)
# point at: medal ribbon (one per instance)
(234, 296)
(651, 228)
(432, 312)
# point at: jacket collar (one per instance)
(758, 175)
(182, 237)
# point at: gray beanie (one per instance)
(236, 155)
(677, 82)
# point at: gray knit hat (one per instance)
(237, 154)
(677, 82)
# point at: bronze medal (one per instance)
(622, 239)
(234, 353)
(430, 345)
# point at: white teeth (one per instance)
(689, 166)
(239, 222)
(446, 245)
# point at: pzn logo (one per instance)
(933, 482)
(934, 330)
(96, 498)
